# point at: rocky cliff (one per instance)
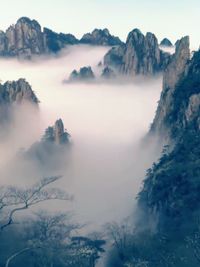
(17, 92)
(139, 55)
(26, 38)
(166, 42)
(84, 74)
(171, 112)
(100, 37)
(56, 134)
(171, 189)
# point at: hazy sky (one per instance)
(169, 18)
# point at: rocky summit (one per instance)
(26, 38)
(56, 134)
(100, 37)
(139, 55)
(175, 103)
(84, 74)
(17, 92)
(166, 42)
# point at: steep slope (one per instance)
(171, 188)
(100, 37)
(139, 55)
(26, 38)
(49, 152)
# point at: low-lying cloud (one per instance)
(106, 122)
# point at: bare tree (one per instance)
(14, 200)
(120, 236)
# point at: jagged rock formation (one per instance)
(140, 55)
(26, 38)
(166, 121)
(108, 73)
(17, 92)
(171, 189)
(166, 42)
(84, 74)
(56, 134)
(50, 151)
(100, 37)
(54, 42)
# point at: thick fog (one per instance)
(106, 121)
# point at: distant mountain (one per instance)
(172, 116)
(100, 37)
(84, 74)
(50, 151)
(27, 38)
(14, 94)
(17, 92)
(139, 55)
(166, 42)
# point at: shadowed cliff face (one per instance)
(139, 55)
(26, 38)
(179, 103)
(171, 189)
(14, 95)
(100, 37)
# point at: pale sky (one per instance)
(169, 18)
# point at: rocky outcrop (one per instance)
(84, 74)
(171, 189)
(166, 42)
(56, 134)
(176, 72)
(108, 73)
(26, 38)
(140, 55)
(100, 37)
(54, 42)
(50, 152)
(17, 92)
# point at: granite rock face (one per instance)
(100, 37)
(56, 134)
(50, 153)
(17, 92)
(170, 194)
(140, 55)
(175, 75)
(84, 74)
(54, 42)
(166, 42)
(26, 38)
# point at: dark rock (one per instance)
(26, 38)
(17, 92)
(171, 189)
(50, 151)
(174, 73)
(84, 74)
(140, 55)
(166, 42)
(56, 134)
(100, 37)
(108, 73)
(54, 42)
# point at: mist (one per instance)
(106, 121)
